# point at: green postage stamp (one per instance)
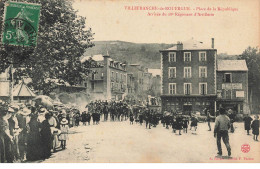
(21, 22)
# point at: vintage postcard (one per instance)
(129, 81)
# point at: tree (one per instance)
(252, 57)
(62, 40)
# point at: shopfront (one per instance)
(236, 106)
(188, 104)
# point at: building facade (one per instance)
(156, 82)
(156, 85)
(189, 77)
(232, 85)
(108, 80)
(139, 82)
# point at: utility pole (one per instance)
(11, 98)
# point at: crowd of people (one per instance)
(30, 133)
(118, 111)
(177, 121)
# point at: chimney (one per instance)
(179, 45)
(212, 43)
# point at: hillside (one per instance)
(142, 53)
(146, 54)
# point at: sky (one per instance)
(233, 31)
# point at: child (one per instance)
(174, 125)
(77, 119)
(255, 127)
(88, 118)
(179, 123)
(194, 123)
(185, 124)
(64, 127)
(131, 119)
(163, 121)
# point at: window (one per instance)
(112, 75)
(93, 76)
(203, 88)
(172, 88)
(202, 56)
(112, 85)
(92, 86)
(203, 71)
(172, 57)
(187, 88)
(172, 72)
(86, 85)
(227, 78)
(124, 78)
(187, 72)
(187, 56)
(116, 76)
(111, 63)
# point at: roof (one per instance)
(94, 57)
(57, 81)
(22, 90)
(190, 45)
(134, 64)
(155, 72)
(231, 65)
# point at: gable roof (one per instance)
(231, 65)
(22, 90)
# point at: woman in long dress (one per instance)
(34, 150)
(247, 120)
(46, 137)
(255, 127)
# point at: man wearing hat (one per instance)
(208, 118)
(14, 131)
(222, 125)
(41, 116)
(23, 120)
(6, 138)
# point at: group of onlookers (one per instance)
(29, 133)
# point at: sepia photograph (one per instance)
(129, 81)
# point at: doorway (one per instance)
(187, 109)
